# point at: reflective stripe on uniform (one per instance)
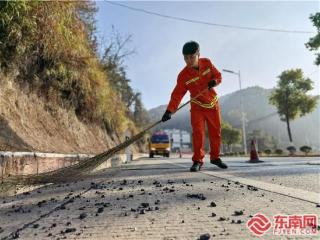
(192, 80)
(206, 105)
(206, 71)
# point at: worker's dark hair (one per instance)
(190, 48)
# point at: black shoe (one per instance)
(195, 167)
(219, 163)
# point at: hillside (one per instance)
(259, 114)
(27, 123)
(57, 94)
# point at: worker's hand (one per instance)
(211, 84)
(166, 116)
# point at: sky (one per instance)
(260, 56)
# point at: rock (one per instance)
(212, 204)
(213, 214)
(68, 223)
(70, 230)
(318, 205)
(35, 225)
(221, 219)
(124, 182)
(83, 216)
(199, 196)
(239, 221)
(252, 188)
(145, 205)
(15, 235)
(106, 204)
(142, 211)
(157, 202)
(149, 209)
(205, 236)
(156, 208)
(238, 213)
(100, 210)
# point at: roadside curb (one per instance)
(22, 163)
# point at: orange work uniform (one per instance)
(204, 109)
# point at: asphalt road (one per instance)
(160, 199)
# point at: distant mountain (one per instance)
(260, 115)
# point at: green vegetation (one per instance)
(278, 151)
(229, 135)
(267, 151)
(290, 96)
(305, 149)
(314, 42)
(52, 48)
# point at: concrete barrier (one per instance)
(22, 163)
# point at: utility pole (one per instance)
(241, 107)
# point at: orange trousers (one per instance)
(200, 117)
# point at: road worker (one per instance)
(197, 75)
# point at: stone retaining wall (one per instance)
(20, 163)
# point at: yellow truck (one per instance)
(159, 144)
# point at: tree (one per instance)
(140, 114)
(290, 96)
(314, 42)
(292, 150)
(113, 63)
(267, 151)
(230, 135)
(305, 149)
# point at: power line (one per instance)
(207, 23)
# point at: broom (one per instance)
(82, 168)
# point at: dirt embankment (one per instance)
(28, 123)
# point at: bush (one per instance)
(292, 150)
(305, 149)
(267, 151)
(278, 151)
